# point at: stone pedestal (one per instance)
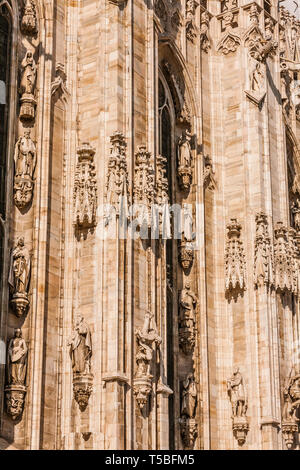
(15, 397)
(28, 105)
(82, 388)
(20, 304)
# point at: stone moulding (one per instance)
(82, 389)
(118, 3)
(188, 431)
(15, 398)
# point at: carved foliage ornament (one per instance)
(15, 389)
(117, 191)
(205, 42)
(29, 19)
(285, 259)
(85, 188)
(147, 339)
(234, 258)
(144, 186)
(263, 256)
(229, 41)
(190, 25)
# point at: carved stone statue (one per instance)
(238, 397)
(19, 276)
(188, 303)
(257, 77)
(146, 338)
(27, 87)
(81, 352)
(15, 389)
(290, 420)
(296, 213)
(237, 394)
(25, 162)
(185, 160)
(189, 397)
(17, 359)
(20, 268)
(81, 347)
(187, 319)
(188, 425)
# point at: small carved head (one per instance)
(18, 333)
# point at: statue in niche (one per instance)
(237, 394)
(185, 160)
(257, 77)
(19, 268)
(17, 359)
(81, 347)
(184, 150)
(28, 80)
(145, 339)
(27, 87)
(296, 213)
(25, 157)
(189, 397)
(188, 302)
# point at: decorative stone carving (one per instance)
(85, 189)
(205, 42)
(175, 82)
(234, 259)
(190, 25)
(80, 345)
(189, 401)
(25, 163)
(146, 338)
(285, 252)
(209, 181)
(58, 86)
(15, 390)
(296, 214)
(144, 186)
(260, 49)
(29, 19)
(229, 41)
(239, 402)
(19, 277)
(187, 319)
(263, 257)
(27, 87)
(290, 420)
(117, 192)
(185, 161)
(185, 253)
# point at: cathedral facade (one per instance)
(149, 224)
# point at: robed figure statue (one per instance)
(81, 347)
(17, 359)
